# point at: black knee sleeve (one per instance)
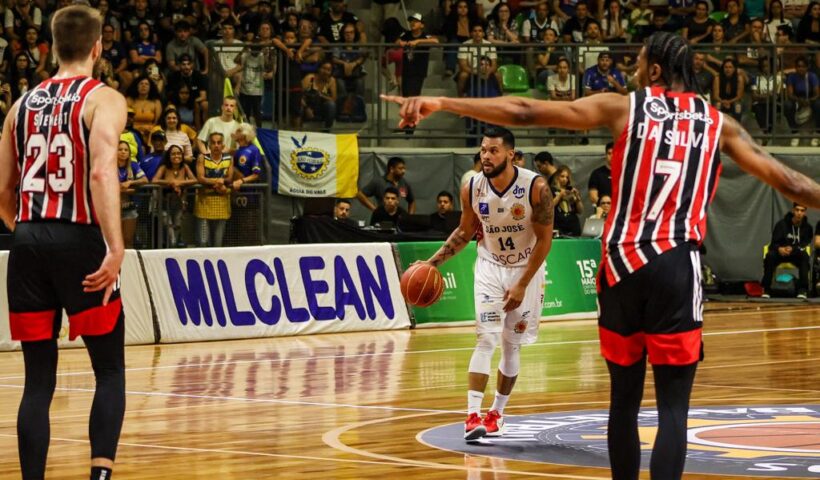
(108, 361)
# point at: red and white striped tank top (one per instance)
(51, 140)
(665, 169)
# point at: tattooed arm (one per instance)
(542, 217)
(462, 235)
(738, 144)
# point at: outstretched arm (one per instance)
(738, 144)
(462, 235)
(543, 214)
(605, 110)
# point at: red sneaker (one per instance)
(494, 423)
(474, 428)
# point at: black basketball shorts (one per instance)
(48, 262)
(657, 310)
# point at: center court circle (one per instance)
(759, 440)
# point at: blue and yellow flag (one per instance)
(307, 164)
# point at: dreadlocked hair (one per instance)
(675, 57)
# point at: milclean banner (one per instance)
(218, 294)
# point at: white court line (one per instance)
(257, 400)
(406, 352)
(332, 439)
(400, 463)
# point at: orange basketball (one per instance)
(422, 285)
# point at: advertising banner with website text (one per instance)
(570, 281)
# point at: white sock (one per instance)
(474, 399)
(500, 402)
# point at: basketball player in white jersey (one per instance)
(665, 168)
(511, 211)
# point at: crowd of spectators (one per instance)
(157, 52)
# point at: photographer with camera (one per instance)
(567, 201)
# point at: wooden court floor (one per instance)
(350, 406)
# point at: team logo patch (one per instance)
(243, 160)
(308, 162)
(520, 326)
(518, 211)
(489, 317)
(519, 191)
(749, 441)
(483, 208)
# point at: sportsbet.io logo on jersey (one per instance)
(656, 109)
(760, 440)
(41, 98)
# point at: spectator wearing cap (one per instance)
(185, 44)
(195, 81)
(603, 77)
(152, 161)
(332, 23)
(415, 56)
(394, 178)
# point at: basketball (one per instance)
(422, 285)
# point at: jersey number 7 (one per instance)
(671, 170)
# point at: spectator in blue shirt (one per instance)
(802, 93)
(151, 162)
(603, 77)
(247, 160)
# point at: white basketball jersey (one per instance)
(507, 236)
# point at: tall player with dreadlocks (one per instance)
(665, 170)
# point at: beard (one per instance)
(495, 171)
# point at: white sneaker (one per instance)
(765, 295)
(795, 142)
(815, 142)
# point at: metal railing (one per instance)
(159, 213)
(284, 95)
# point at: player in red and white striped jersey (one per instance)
(59, 192)
(665, 170)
